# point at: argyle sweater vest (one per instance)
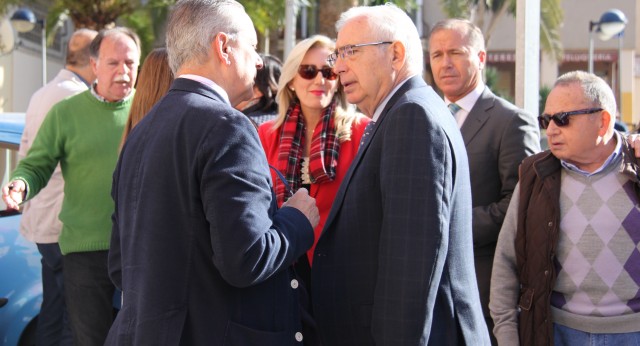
(598, 258)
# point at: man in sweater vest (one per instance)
(566, 266)
(83, 134)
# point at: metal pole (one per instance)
(44, 52)
(528, 55)
(591, 48)
(619, 98)
(289, 27)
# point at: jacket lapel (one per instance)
(412, 82)
(478, 116)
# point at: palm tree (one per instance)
(551, 17)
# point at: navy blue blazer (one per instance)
(394, 263)
(199, 256)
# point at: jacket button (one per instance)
(546, 272)
(550, 224)
(299, 337)
(294, 285)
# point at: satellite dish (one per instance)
(7, 37)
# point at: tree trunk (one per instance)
(328, 13)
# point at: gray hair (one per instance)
(94, 47)
(390, 23)
(595, 90)
(470, 31)
(193, 25)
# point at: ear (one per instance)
(399, 54)
(94, 65)
(606, 123)
(220, 48)
(482, 59)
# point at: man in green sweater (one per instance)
(83, 133)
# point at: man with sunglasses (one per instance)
(497, 136)
(393, 264)
(566, 266)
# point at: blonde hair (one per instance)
(344, 116)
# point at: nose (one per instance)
(123, 69)
(319, 78)
(259, 63)
(552, 128)
(446, 60)
(339, 65)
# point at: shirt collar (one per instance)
(384, 102)
(469, 100)
(617, 151)
(208, 82)
(80, 78)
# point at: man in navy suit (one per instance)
(393, 264)
(198, 249)
(497, 136)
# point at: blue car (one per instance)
(20, 267)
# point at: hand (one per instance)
(13, 194)
(634, 142)
(306, 204)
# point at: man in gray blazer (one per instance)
(497, 135)
(391, 266)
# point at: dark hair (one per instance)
(267, 82)
(94, 48)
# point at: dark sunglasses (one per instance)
(562, 119)
(311, 71)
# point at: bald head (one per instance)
(78, 52)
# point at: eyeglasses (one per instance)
(311, 71)
(348, 50)
(562, 119)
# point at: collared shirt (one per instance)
(94, 92)
(466, 103)
(208, 82)
(616, 152)
(384, 102)
(80, 77)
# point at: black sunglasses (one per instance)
(311, 71)
(562, 119)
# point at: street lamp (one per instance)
(611, 23)
(23, 20)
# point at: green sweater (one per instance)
(83, 134)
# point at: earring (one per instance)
(292, 89)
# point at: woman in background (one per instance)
(316, 134)
(263, 106)
(154, 81)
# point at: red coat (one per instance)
(323, 193)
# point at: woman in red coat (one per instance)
(316, 134)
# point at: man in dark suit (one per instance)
(392, 266)
(497, 135)
(200, 253)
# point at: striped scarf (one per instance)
(323, 155)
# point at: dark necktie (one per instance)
(367, 130)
